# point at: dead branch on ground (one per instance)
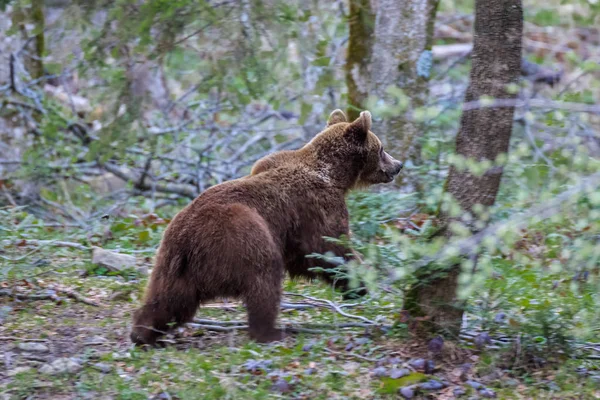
(74, 295)
(334, 307)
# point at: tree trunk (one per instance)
(484, 135)
(402, 58)
(32, 14)
(361, 21)
(38, 19)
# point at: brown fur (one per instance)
(275, 160)
(238, 238)
(289, 157)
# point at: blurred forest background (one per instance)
(482, 259)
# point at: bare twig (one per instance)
(538, 151)
(27, 296)
(47, 225)
(141, 182)
(230, 326)
(328, 327)
(468, 246)
(217, 328)
(56, 243)
(21, 339)
(535, 103)
(298, 329)
(8, 196)
(13, 81)
(337, 353)
(65, 211)
(150, 329)
(348, 325)
(22, 257)
(76, 296)
(296, 306)
(221, 323)
(443, 52)
(180, 189)
(17, 103)
(333, 306)
(572, 82)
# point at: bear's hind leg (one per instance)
(262, 314)
(163, 310)
(262, 299)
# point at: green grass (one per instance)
(213, 365)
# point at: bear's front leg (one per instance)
(342, 283)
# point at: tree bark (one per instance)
(402, 58)
(34, 14)
(484, 135)
(361, 21)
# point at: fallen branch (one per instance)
(8, 196)
(349, 325)
(217, 328)
(220, 328)
(296, 306)
(333, 306)
(304, 330)
(17, 103)
(229, 326)
(47, 225)
(27, 296)
(58, 243)
(220, 323)
(49, 295)
(200, 321)
(36, 242)
(285, 305)
(445, 51)
(74, 295)
(188, 191)
(7, 338)
(337, 353)
(22, 257)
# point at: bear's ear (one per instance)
(359, 129)
(336, 117)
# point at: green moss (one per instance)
(361, 20)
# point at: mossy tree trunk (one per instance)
(23, 14)
(402, 58)
(484, 134)
(361, 21)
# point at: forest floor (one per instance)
(56, 346)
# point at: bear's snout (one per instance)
(394, 166)
(397, 167)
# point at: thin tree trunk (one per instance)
(402, 58)
(361, 21)
(484, 135)
(34, 14)
(38, 19)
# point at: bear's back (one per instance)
(289, 198)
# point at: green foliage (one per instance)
(391, 386)
(3, 4)
(226, 60)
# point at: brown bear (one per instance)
(289, 157)
(273, 161)
(238, 238)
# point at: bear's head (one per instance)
(352, 155)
